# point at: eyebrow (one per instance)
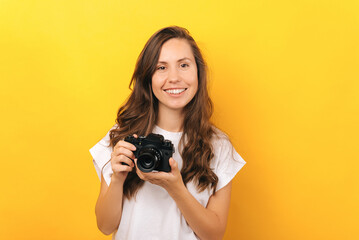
(179, 60)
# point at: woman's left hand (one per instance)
(171, 181)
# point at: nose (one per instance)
(173, 75)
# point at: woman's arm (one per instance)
(109, 203)
(207, 222)
(108, 211)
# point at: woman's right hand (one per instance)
(122, 160)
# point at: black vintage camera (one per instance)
(152, 152)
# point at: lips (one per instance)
(175, 90)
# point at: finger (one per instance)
(121, 168)
(155, 176)
(138, 171)
(121, 159)
(125, 144)
(140, 175)
(135, 135)
(173, 164)
(123, 151)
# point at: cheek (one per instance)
(195, 89)
(156, 84)
(195, 85)
(194, 81)
(190, 77)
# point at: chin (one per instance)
(175, 107)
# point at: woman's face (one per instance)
(175, 80)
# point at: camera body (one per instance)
(152, 152)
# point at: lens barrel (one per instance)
(148, 159)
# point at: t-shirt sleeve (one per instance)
(227, 162)
(101, 154)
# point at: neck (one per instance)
(170, 119)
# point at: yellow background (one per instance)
(284, 80)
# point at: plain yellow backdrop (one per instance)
(283, 77)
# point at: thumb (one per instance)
(173, 164)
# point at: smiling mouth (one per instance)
(175, 91)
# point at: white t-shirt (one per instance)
(152, 213)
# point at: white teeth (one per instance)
(175, 91)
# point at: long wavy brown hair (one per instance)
(138, 114)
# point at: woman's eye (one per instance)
(183, 65)
(161, 68)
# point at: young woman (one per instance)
(170, 98)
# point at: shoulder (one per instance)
(226, 161)
(223, 148)
(220, 140)
(101, 154)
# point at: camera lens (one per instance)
(148, 159)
